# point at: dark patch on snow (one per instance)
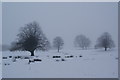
(26, 58)
(62, 59)
(56, 56)
(80, 56)
(57, 60)
(69, 56)
(6, 64)
(37, 60)
(4, 57)
(10, 56)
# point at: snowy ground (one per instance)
(92, 64)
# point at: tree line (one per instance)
(31, 38)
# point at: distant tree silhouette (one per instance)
(58, 43)
(30, 38)
(82, 41)
(105, 41)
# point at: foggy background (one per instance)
(61, 19)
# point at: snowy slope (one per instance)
(92, 64)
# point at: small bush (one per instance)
(4, 57)
(62, 59)
(10, 56)
(80, 56)
(37, 60)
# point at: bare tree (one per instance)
(105, 41)
(58, 43)
(82, 41)
(30, 38)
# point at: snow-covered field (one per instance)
(83, 64)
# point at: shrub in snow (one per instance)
(62, 59)
(56, 56)
(4, 57)
(80, 56)
(16, 57)
(19, 56)
(10, 56)
(66, 56)
(69, 56)
(37, 60)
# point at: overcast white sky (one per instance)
(62, 19)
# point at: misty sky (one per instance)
(61, 19)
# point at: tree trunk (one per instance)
(58, 49)
(105, 48)
(32, 53)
